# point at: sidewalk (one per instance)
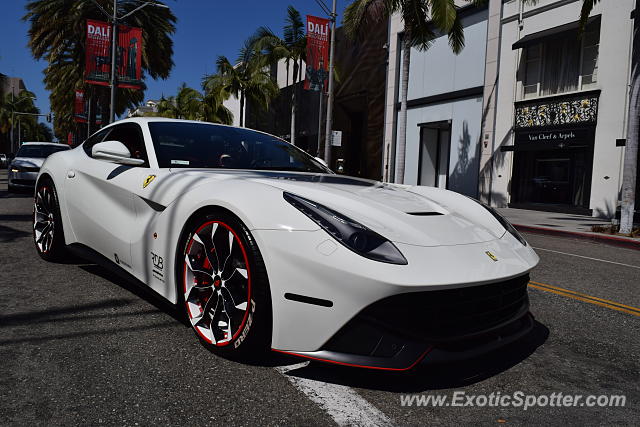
(569, 225)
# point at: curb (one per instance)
(609, 240)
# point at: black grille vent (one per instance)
(451, 314)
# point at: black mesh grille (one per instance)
(451, 314)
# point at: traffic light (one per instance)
(49, 118)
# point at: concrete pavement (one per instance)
(565, 224)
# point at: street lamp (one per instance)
(114, 29)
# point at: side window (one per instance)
(94, 139)
(131, 136)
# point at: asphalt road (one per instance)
(79, 345)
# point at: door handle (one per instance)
(71, 174)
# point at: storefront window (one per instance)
(553, 152)
(563, 64)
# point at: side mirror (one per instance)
(321, 160)
(114, 152)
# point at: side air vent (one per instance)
(424, 213)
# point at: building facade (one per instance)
(530, 115)
(561, 105)
(444, 107)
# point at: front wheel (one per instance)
(48, 234)
(224, 287)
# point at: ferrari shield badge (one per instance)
(148, 180)
(492, 256)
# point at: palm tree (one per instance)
(248, 80)
(213, 108)
(420, 18)
(189, 104)
(22, 102)
(291, 48)
(57, 35)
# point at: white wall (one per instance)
(465, 116)
(439, 71)
(233, 104)
(282, 73)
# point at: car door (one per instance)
(99, 195)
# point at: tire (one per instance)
(48, 233)
(227, 302)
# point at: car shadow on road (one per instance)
(136, 289)
(430, 377)
(9, 234)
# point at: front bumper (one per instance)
(404, 354)
(22, 179)
(334, 286)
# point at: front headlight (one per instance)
(502, 220)
(15, 168)
(348, 232)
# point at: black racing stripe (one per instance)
(424, 213)
(308, 300)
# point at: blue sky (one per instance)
(205, 29)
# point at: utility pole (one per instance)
(327, 139)
(317, 153)
(12, 120)
(114, 61)
(114, 30)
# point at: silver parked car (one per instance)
(24, 168)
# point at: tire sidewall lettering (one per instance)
(247, 326)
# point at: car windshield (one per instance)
(196, 145)
(40, 151)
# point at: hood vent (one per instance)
(424, 213)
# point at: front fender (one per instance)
(258, 206)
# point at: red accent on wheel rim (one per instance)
(216, 283)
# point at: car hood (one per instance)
(412, 215)
(28, 162)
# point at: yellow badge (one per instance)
(492, 256)
(148, 180)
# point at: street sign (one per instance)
(336, 138)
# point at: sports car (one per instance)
(264, 247)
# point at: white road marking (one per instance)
(587, 257)
(342, 403)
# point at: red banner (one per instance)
(317, 70)
(98, 53)
(128, 55)
(80, 108)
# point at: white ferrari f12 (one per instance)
(263, 247)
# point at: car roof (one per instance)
(141, 120)
(43, 143)
(164, 119)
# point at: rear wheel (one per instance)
(224, 286)
(48, 234)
